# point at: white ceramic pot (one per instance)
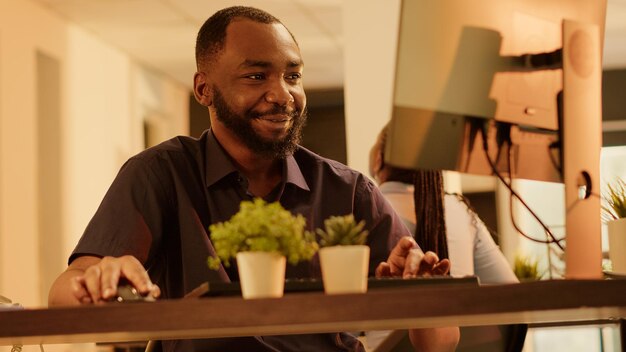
(262, 274)
(344, 268)
(617, 245)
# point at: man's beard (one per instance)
(241, 126)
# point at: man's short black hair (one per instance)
(212, 34)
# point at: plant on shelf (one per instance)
(344, 257)
(342, 231)
(261, 230)
(614, 215)
(615, 201)
(525, 268)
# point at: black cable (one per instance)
(519, 230)
(546, 228)
(552, 238)
(513, 193)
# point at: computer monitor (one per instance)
(515, 81)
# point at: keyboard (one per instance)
(211, 289)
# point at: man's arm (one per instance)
(90, 279)
(435, 339)
(62, 290)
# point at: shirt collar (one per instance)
(294, 174)
(218, 165)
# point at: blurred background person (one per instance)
(447, 225)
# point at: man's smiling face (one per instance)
(257, 88)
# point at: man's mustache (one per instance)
(292, 113)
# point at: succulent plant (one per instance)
(262, 226)
(525, 268)
(342, 231)
(614, 206)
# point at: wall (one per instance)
(20, 40)
(72, 110)
(370, 36)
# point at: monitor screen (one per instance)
(460, 72)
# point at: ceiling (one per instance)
(161, 33)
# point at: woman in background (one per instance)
(445, 224)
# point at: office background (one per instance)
(86, 84)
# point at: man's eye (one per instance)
(255, 77)
(294, 76)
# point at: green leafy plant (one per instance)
(262, 226)
(614, 206)
(342, 231)
(525, 268)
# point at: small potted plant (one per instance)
(344, 257)
(262, 237)
(614, 214)
(525, 268)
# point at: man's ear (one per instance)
(202, 89)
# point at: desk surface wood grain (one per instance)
(411, 307)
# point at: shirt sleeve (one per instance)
(472, 249)
(384, 225)
(490, 264)
(461, 234)
(129, 221)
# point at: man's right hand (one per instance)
(92, 280)
(99, 281)
(407, 260)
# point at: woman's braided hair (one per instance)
(430, 227)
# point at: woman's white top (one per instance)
(471, 249)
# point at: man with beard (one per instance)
(151, 228)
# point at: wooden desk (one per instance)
(432, 306)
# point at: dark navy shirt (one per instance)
(163, 200)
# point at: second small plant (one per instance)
(342, 231)
(615, 201)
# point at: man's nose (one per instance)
(278, 93)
